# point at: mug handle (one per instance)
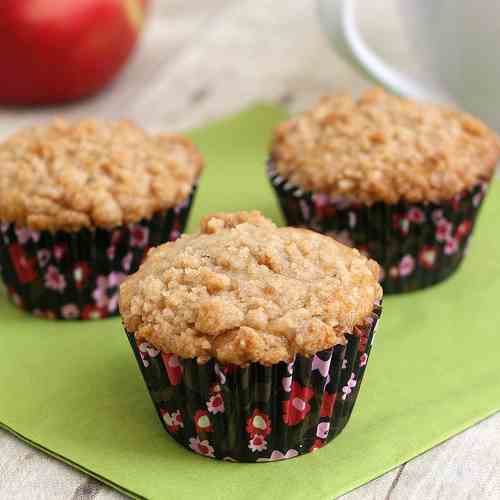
(338, 17)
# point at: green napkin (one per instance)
(74, 390)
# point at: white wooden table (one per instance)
(201, 59)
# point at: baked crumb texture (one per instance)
(92, 174)
(243, 291)
(384, 148)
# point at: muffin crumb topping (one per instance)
(243, 290)
(384, 148)
(66, 176)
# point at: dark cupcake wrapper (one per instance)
(416, 244)
(76, 275)
(257, 413)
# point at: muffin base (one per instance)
(257, 413)
(416, 244)
(66, 275)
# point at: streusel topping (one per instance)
(243, 290)
(92, 173)
(384, 148)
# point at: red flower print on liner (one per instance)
(257, 443)
(201, 447)
(139, 236)
(327, 404)
(202, 421)
(94, 312)
(463, 229)
(258, 423)
(25, 267)
(318, 443)
(427, 256)
(173, 420)
(81, 273)
(416, 215)
(323, 207)
(215, 404)
(54, 279)
(401, 223)
(297, 407)
(173, 368)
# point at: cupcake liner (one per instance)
(257, 413)
(76, 275)
(416, 244)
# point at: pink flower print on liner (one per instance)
(322, 366)
(347, 389)
(70, 311)
(437, 215)
(220, 374)
(127, 262)
(286, 383)
(174, 235)
(451, 246)
(24, 235)
(101, 294)
(173, 368)
(416, 215)
(139, 235)
(363, 360)
(352, 219)
(443, 229)
(476, 199)
(201, 447)
(343, 237)
(43, 257)
(322, 430)
(257, 443)
(173, 420)
(278, 455)
(54, 279)
(215, 404)
(146, 352)
(406, 266)
(111, 252)
(59, 251)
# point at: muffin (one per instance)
(402, 181)
(252, 339)
(80, 204)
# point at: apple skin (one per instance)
(53, 51)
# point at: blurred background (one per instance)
(199, 59)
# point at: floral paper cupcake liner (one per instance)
(76, 275)
(416, 244)
(257, 413)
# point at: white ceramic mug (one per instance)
(459, 40)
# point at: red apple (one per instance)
(53, 51)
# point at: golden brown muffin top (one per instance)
(243, 290)
(92, 173)
(384, 148)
